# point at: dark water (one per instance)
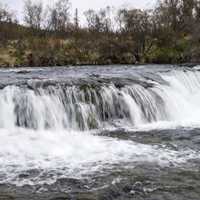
(117, 132)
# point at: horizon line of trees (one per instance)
(167, 33)
(176, 14)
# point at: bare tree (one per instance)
(187, 15)
(76, 19)
(90, 16)
(99, 21)
(197, 10)
(170, 13)
(105, 19)
(119, 18)
(138, 27)
(6, 15)
(59, 16)
(33, 14)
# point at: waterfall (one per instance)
(49, 127)
(91, 107)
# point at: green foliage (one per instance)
(164, 55)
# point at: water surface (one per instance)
(107, 132)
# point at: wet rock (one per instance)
(6, 197)
(138, 186)
(23, 72)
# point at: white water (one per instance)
(77, 109)
(43, 129)
(182, 96)
(52, 155)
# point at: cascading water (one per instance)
(53, 127)
(89, 107)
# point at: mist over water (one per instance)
(54, 130)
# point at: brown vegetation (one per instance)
(167, 34)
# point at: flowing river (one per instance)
(100, 132)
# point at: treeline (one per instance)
(54, 35)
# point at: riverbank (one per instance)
(55, 52)
(131, 36)
(189, 65)
(47, 49)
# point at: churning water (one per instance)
(51, 120)
(86, 107)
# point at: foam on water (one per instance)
(51, 155)
(45, 131)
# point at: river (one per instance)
(100, 132)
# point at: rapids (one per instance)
(82, 123)
(95, 105)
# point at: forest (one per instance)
(55, 36)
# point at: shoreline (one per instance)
(190, 65)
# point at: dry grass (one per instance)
(6, 57)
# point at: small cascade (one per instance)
(57, 128)
(88, 106)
